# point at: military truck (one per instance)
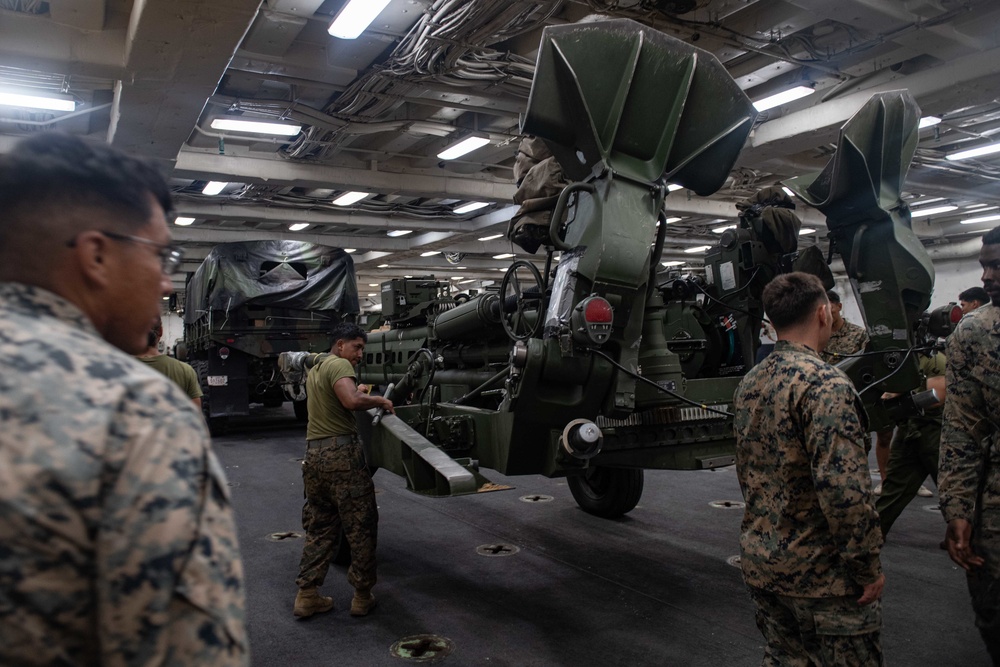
(250, 301)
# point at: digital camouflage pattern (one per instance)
(810, 527)
(339, 492)
(970, 456)
(117, 540)
(803, 632)
(849, 339)
(913, 452)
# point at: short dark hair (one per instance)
(832, 296)
(791, 298)
(975, 294)
(51, 172)
(992, 237)
(347, 331)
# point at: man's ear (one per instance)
(824, 315)
(91, 251)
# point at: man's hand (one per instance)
(385, 404)
(958, 541)
(364, 389)
(873, 591)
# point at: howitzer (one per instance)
(597, 365)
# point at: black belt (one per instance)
(334, 440)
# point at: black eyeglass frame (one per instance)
(170, 255)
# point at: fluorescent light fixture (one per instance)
(471, 206)
(506, 255)
(975, 152)
(430, 253)
(372, 294)
(972, 207)
(350, 250)
(407, 276)
(183, 221)
(399, 232)
(675, 262)
(697, 248)
(459, 268)
(36, 102)
(719, 230)
(463, 147)
(490, 237)
(214, 187)
(788, 191)
(349, 198)
(457, 277)
(931, 200)
(934, 210)
(298, 226)
(256, 126)
(373, 284)
(985, 218)
(784, 97)
(383, 266)
(470, 280)
(673, 187)
(928, 121)
(355, 17)
(806, 230)
(670, 220)
(166, 298)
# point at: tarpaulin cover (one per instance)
(288, 274)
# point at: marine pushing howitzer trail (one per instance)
(597, 366)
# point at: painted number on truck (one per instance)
(218, 380)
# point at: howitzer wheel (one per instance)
(607, 492)
(521, 291)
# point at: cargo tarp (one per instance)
(287, 274)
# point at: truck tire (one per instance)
(607, 492)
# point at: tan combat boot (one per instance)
(308, 601)
(363, 602)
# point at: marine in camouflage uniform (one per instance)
(913, 453)
(969, 466)
(847, 338)
(810, 538)
(339, 491)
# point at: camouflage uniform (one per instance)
(913, 453)
(849, 339)
(810, 537)
(117, 540)
(338, 487)
(969, 467)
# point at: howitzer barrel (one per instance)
(479, 314)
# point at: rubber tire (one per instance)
(607, 492)
(301, 410)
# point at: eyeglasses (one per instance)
(170, 255)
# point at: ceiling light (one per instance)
(491, 237)
(975, 152)
(183, 221)
(806, 230)
(355, 17)
(934, 210)
(971, 207)
(674, 263)
(470, 207)
(930, 200)
(373, 284)
(673, 187)
(407, 276)
(36, 102)
(214, 187)
(788, 191)
(399, 232)
(470, 280)
(457, 277)
(298, 226)
(459, 268)
(928, 121)
(256, 126)
(464, 147)
(669, 220)
(372, 294)
(166, 298)
(349, 198)
(783, 98)
(350, 250)
(506, 255)
(430, 253)
(985, 218)
(383, 266)
(719, 230)
(697, 248)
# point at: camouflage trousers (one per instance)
(339, 494)
(984, 581)
(826, 632)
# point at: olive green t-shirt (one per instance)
(327, 417)
(182, 374)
